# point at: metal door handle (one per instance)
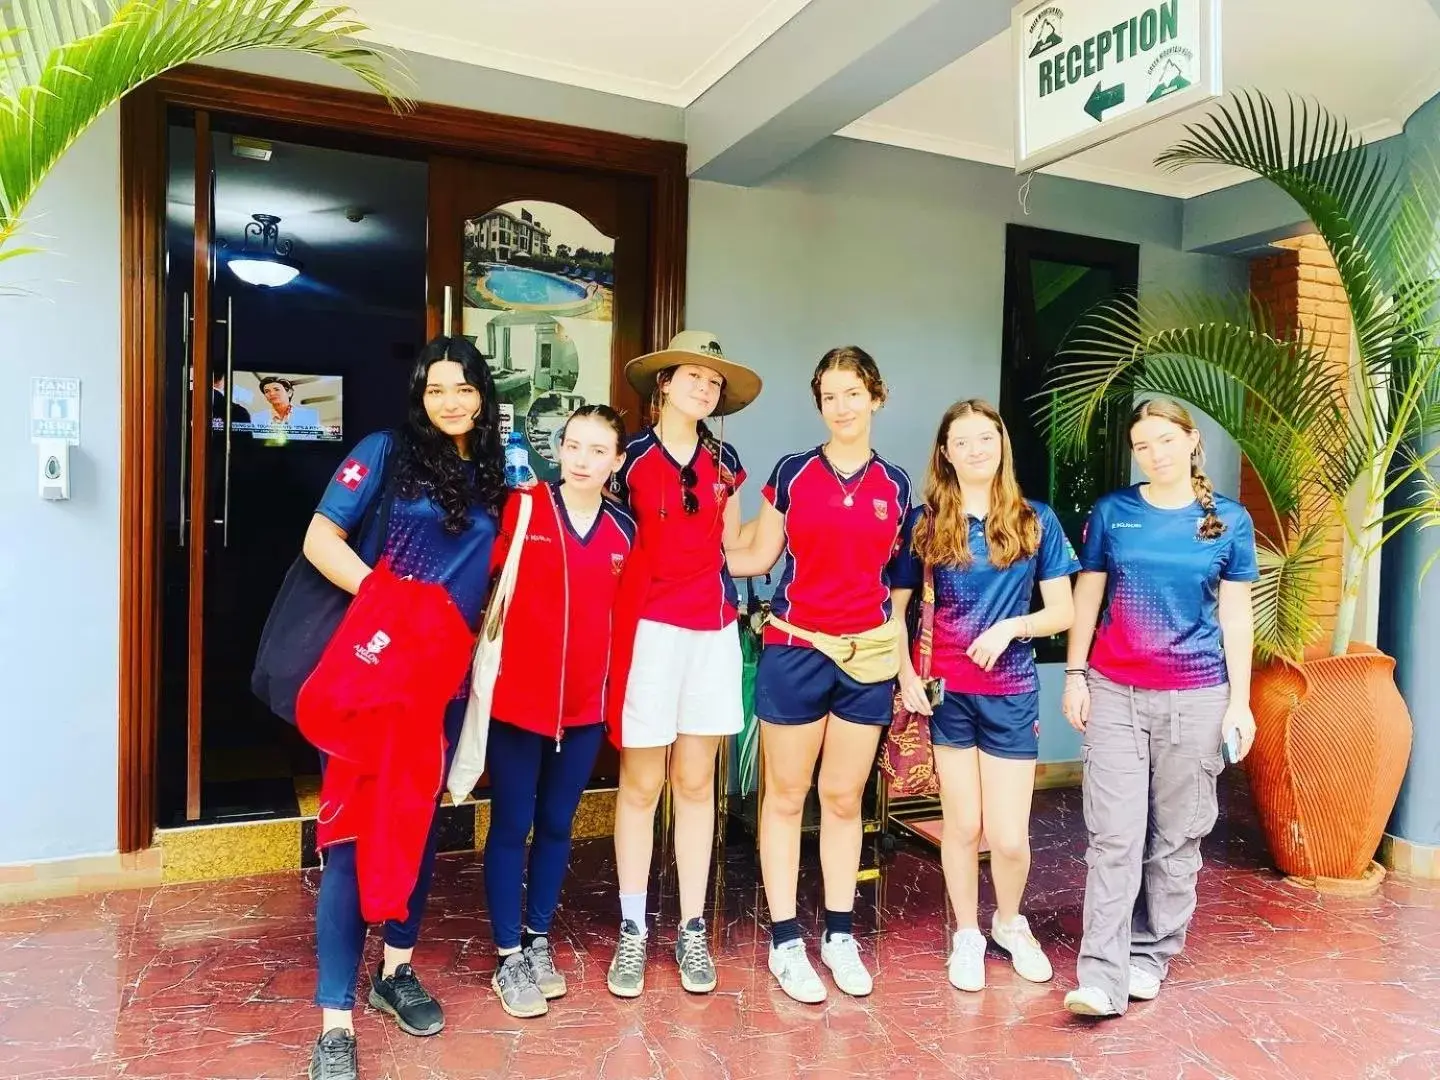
(187, 378)
(229, 400)
(448, 325)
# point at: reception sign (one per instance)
(1089, 70)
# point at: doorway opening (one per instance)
(309, 311)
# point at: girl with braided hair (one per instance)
(683, 694)
(1166, 686)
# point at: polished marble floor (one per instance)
(214, 980)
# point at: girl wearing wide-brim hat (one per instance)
(683, 695)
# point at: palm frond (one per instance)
(1410, 250)
(1281, 600)
(64, 62)
(1274, 395)
(1353, 198)
(1426, 503)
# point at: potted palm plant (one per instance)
(64, 62)
(1327, 444)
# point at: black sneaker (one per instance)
(334, 1057)
(407, 1001)
(692, 953)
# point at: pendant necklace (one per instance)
(858, 475)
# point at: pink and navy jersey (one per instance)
(840, 537)
(689, 585)
(593, 563)
(1161, 627)
(418, 544)
(971, 599)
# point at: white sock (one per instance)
(632, 908)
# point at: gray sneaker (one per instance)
(692, 953)
(514, 984)
(542, 966)
(626, 978)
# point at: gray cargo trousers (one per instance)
(1151, 759)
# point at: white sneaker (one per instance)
(1025, 952)
(1143, 985)
(1090, 1001)
(967, 960)
(842, 956)
(797, 978)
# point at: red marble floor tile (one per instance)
(215, 980)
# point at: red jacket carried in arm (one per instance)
(571, 624)
(375, 706)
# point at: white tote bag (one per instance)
(469, 760)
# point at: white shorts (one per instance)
(682, 682)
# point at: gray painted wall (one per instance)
(903, 254)
(59, 562)
(1410, 620)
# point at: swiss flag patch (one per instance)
(352, 474)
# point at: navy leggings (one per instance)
(340, 928)
(533, 783)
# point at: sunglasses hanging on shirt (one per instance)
(689, 501)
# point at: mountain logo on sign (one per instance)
(1170, 73)
(1045, 30)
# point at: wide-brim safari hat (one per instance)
(699, 347)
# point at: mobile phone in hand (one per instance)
(935, 692)
(1230, 746)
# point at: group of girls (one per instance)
(626, 607)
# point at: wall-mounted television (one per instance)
(276, 408)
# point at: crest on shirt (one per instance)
(617, 563)
(370, 652)
(352, 474)
(725, 485)
(882, 510)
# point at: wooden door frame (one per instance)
(427, 128)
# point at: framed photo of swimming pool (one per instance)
(539, 295)
(1087, 71)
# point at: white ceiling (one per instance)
(1370, 61)
(670, 51)
(1387, 64)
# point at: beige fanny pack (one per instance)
(871, 657)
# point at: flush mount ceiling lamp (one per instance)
(265, 259)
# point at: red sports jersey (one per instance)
(573, 581)
(840, 535)
(689, 585)
(594, 562)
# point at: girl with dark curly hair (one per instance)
(445, 492)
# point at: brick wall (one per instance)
(1299, 285)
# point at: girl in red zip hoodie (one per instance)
(551, 694)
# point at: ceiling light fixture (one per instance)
(268, 262)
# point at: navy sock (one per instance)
(784, 930)
(527, 937)
(838, 922)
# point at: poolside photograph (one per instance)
(538, 302)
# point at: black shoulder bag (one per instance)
(308, 609)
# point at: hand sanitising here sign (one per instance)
(1089, 70)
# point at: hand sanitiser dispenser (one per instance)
(54, 461)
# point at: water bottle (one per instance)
(517, 461)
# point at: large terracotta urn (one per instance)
(1332, 743)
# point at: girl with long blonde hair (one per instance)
(983, 546)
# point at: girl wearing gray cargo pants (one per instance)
(1166, 684)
